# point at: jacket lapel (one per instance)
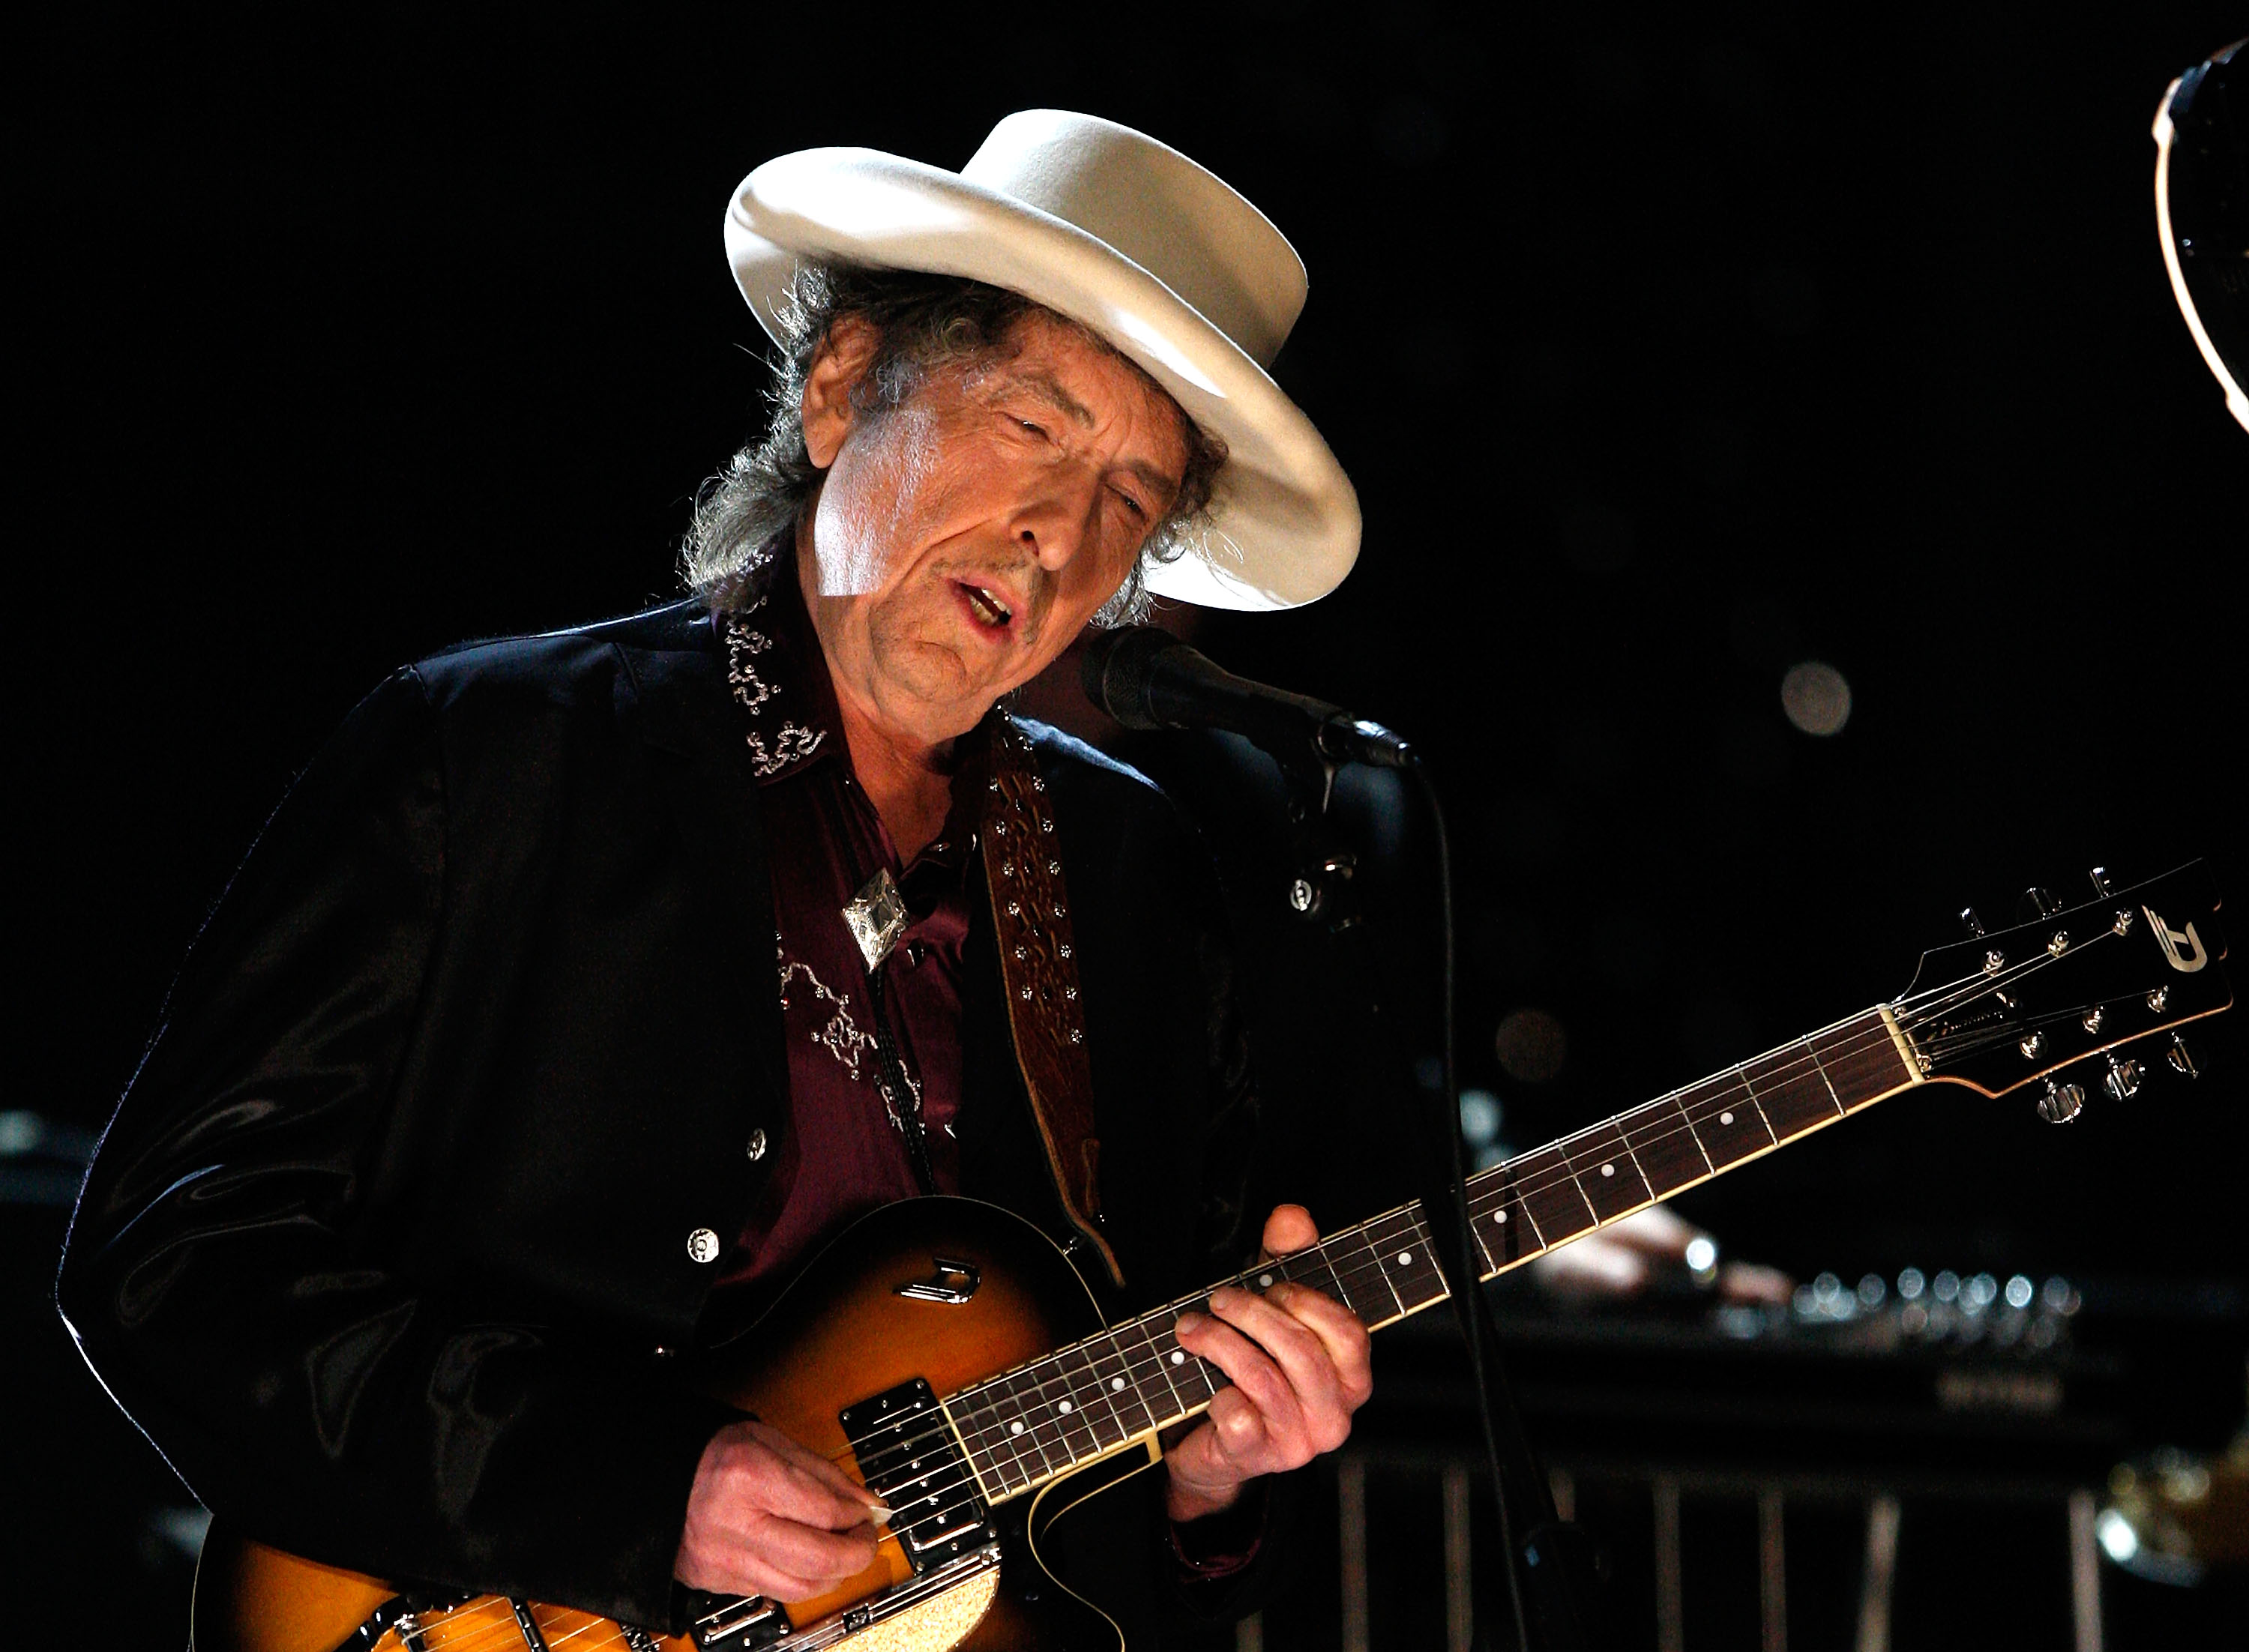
(687, 721)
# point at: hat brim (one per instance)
(1286, 522)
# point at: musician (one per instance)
(586, 983)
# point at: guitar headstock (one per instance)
(2108, 983)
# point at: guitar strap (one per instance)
(1030, 911)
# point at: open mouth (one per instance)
(987, 608)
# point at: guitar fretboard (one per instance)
(1092, 1398)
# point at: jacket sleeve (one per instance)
(227, 1274)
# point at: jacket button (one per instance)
(757, 1145)
(703, 1245)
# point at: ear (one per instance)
(837, 367)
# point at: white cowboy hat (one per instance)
(1159, 257)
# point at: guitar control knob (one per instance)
(2103, 885)
(1970, 922)
(2182, 1058)
(2061, 1103)
(2040, 903)
(2124, 1080)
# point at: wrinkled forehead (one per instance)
(1064, 362)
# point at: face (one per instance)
(960, 542)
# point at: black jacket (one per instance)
(387, 1244)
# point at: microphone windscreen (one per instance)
(1114, 672)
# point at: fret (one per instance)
(1113, 1368)
(1550, 1195)
(1400, 1243)
(1861, 1059)
(1093, 1398)
(1085, 1401)
(1058, 1409)
(1029, 1431)
(1191, 1379)
(1606, 1174)
(1663, 1145)
(1310, 1267)
(1363, 1286)
(1170, 1400)
(1728, 1123)
(1500, 1222)
(1791, 1091)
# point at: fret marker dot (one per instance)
(1725, 1118)
(1117, 1384)
(1063, 1408)
(1608, 1169)
(1499, 1217)
(1014, 1427)
(1264, 1281)
(1178, 1358)
(1405, 1257)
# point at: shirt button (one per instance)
(703, 1245)
(757, 1145)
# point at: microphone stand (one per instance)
(1548, 1559)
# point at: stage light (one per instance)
(2202, 214)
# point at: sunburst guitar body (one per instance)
(919, 1300)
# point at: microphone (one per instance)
(1146, 678)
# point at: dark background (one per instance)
(1668, 347)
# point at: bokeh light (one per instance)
(1531, 1046)
(1816, 698)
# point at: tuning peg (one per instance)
(2124, 1080)
(2039, 902)
(2061, 1103)
(2182, 1058)
(1973, 924)
(2103, 885)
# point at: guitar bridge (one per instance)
(909, 1457)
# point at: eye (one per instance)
(1038, 430)
(1139, 511)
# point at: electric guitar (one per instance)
(949, 1356)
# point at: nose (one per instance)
(1054, 525)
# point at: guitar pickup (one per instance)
(729, 1623)
(949, 1539)
(908, 1453)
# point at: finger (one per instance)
(856, 1498)
(1255, 1373)
(1323, 1388)
(809, 1553)
(792, 1493)
(1289, 1228)
(1340, 1331)
(1239, 1432)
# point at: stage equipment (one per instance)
(2202, 212)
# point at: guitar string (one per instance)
(987, 1412)
(1916, 1013)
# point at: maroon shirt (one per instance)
(846, 1149)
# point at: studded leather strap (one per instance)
(1030, 910)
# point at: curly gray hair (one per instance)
(925, 323)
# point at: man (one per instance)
(476, 1103)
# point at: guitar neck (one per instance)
(1094, 1398)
